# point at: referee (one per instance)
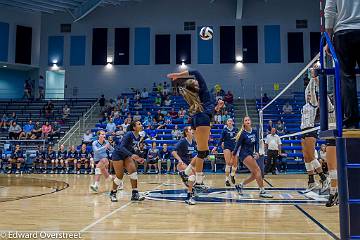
(273, 146)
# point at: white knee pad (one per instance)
(227, 168)
(117, 181)
(133, 176)
(97, 171)
(188, 170)
(309, 167)
(316, 164)
(333, 174)
(191, 178)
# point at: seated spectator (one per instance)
(14, 131)
(48, 109)
(287, 108)
(142, 153)
(66, 112)
(164, 157)
(128, 117)
(160, 88)
(217, 118)
(36, 132)
(137, 105)
(229, 98)
(144, 94)
(125, 105)
(158, 100)
(117, 119)
(72, 158)
(17, 157)
(87, 138)
(176, 133)
(110, 126)
(158, 116)
(83, 159)
(151, 132)
(152, 158)
(120, 132)
(225, 117)
(168, 119)
(126, 124)
(12, 118)
(46, 130)
(280, 127)
(269, 127)
(27, 130)
(167, 101)
(137, 116)
(265, 98)
(4, 122)
(147, 121)
(55, 131)
(173, 113)
(181, 113)
(137, 95)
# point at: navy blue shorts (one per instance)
(229, 147)
(200, 119)
(117, 156)
(244, 155)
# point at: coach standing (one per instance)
(273, 146)
(342, 23)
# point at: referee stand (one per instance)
(347, 149)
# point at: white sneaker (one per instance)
(325, 185)
(94, 188)
(190, 201)
(311, 186)
(78, 172)
(264, 194)
(120, 186)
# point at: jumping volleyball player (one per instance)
(227, 142)
(192, 87)
(308, 141)
(183, 152)
(123, 157)
(247, 147)
(101, 147)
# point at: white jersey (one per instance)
(100, 150)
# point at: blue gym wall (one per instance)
(12, 83)
(273, 18)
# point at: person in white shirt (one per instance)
(273, 146)
(87, 138)
(110, 126)
(287, 108)
(144, 94)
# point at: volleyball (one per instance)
(206, 33)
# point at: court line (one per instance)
(111, 213)
(265, 180)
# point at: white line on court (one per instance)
(111, 213)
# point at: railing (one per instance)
(89, 115)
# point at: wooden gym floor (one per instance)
(64, 203)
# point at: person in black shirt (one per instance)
(83, 159)
(142, 153)
(102, 103)
(164, 158)
(17, 157)
(51, 157)
(72, 158)
(61, 157)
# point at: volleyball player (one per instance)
(308, 141)
(192, 87)
(51, 158)
(183, 153)
(72, 157)
(227, 142)
(123, 157)
(84, 158)
(101, 148)
(247, 147)
(61, 157)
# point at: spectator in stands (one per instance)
(151, 132)
(87, 138)
(182, 112)
(158, 100)
(229, 98)
(137, 116)
(4, 122)
(269, 127)
(120, 132)
(287, 108)
(39, 159)
(167, 101)
(144, 94)
(41, 87)
(27, 89)
(126, 124)
(152, 158)
(176, 133)
(273, 147)
(66, 112)
(265, 98)
(55, 131)
(46, 130)
(280, 128)
(125, 104)
(137, 105)
(36, 132)
(84, 157)
(72, 158)
(164, 158)
(110, 127)
(117, 119)
(61, 157)
(160, 88)
(137, 95)
(128, 118)
(168, 119)
(14, 131)
(225, 117)
(27, 130)
(12, 118)
(217, 117)
(17, 157)
(142, 153)
(102, 101)
(48, 109)
(173, 113)
(158, 116)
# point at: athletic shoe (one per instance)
(325, 185)
(184, 178)
(200, 187)
(233, 180)
(137, 197)
(311, 186)
(190, 201)
(113, 197)
(17, 172)
(264, 194)
(239, 188)
(94, 188)
(227, 183)
(78, 172)
(121, 186)
(52, 171)
(86, 173)
(333, 200)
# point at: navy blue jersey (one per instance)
(165, 155)
(72, 154)
(228, 138)
(62, 154)
(41, 154)
(185, 150)
(84, 154)
(205, 97)
(129, 145)
(17, 154)
(50, 154)
(248, 144)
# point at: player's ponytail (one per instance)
(237, 137)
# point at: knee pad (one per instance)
(191, 178)
(316, 163)
(97, 171)
(227, 168)
(309, 167)
(133, 176)
(333, 174)
(117, 181)
(203, 154)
